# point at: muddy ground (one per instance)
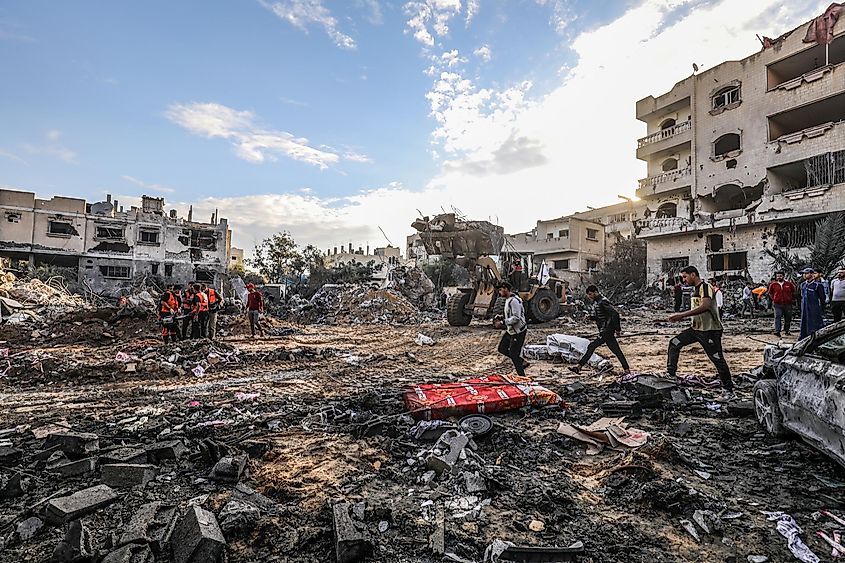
(296, 403)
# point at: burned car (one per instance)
(804, 390)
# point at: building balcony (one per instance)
(664, 140)
(662, 226)
(665, 182)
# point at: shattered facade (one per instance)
(109, 246)
(743, 157)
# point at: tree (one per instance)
(826, 253)
(625, 267)
(276, 258)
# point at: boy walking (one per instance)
(515, 325)
(609, 325)
(706, 329)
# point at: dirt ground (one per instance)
(295, 403)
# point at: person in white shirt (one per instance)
(837, 295)
(720, 297)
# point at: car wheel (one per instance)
(766, 407)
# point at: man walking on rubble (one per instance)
(199, 313)
(515, 325)
(837, 295)
(812, 303)
(782, 292)
(187, 306)
(254, 309)
(747, 300)
(706, 329)
(213, 307)
(609, 325)
(167, 309)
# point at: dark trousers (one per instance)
(837, 308)
(170, 332)
(678, 297)
(511, 346)
(609, 338)
(711, 341)
(186, 324)
(255, 322)
(200, 322)
(783, 316)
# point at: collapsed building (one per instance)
(109, 247)
(745, 157)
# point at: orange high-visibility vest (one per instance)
(172, 302)
(212, 296)
(203, 304)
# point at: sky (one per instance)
(342, 120)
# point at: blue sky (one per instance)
(333, 118)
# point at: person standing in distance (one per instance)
(515, 325)
(706, 329)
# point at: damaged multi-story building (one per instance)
(745, 157)
(109, 247)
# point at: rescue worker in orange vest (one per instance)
(187, 307)
(167, 309)
(213, 307)
(199, 313)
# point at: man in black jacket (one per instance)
(609, 324)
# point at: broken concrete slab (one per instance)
(352, 542)
(133, 553)
(125, 475)
(161, 451)
(197, 537)
(474, 482)
(64, 509)
(72, 468)
(74, 443)
(237, 516)
(653, 385)
(75, 546)
(10, 456)
(447, 451)
(11, 486)
(229, 469)
(123, 455)
(437, 539)
(152, 524)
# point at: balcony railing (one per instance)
(670, 176)
(676, 129)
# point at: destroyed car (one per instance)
(804, 390)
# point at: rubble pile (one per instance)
(413, 283)
(36, 292)
(356, 304)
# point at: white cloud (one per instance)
(11, 156)
(252, 142)
(374, 11)
(52, 147)
(430, 18)
(452, 59)
(485, 53)
(303, 13)
(472, 9)
(147, 186)
(353, 156)
(563, 14)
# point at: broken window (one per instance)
(12, 217)
(550, 236)
(728, 261)
(726, 97)
(148, 236)
(592, 265)
(61, 228)
(115, 272)
(203, 239)
(825, 169)
(731, 164)
(806, 61)
(109, 233)
(821, 113)
(796, 235)
(204, 276)
(168, 270)
(667, 210)
(669, 164)
(561, 264)
(592, 234)
(726, 144)
(667, 124)
(715, 243)
(732, 197)
(154, 269)
(564, 233)
(675, 265)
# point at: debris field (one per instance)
(298, 447)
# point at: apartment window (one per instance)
(726, 144)
(715, 243)
(13, 217)
(667, 210)
(110, 233)
(675, 265)
(564, 233)
(592, 234)
(550, 236)
(168, 270)
(725, 97)
(561, 264)
(60, 228)
(667, 124)
(618, 218)
(204, 276)
(592, 265)
(115, 272)
(728, 261)
(148, 236)
(669, 164)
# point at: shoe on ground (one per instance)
(525, 365)
(777, 334)
(726, 397)
(575, 369)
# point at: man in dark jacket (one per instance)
(609, 325)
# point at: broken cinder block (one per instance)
(228, 469)
(453, 444)
(133, 553)
(74, 443)
(160, 451)
(124, 455)
(73, 468)
(152, 524)
(352, 542)
(652, 385)
(197, 538)
(81, 503)
(125, 475)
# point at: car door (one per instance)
(811, 392)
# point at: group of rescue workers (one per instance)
(196, 306)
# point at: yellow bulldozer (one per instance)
(470, 244)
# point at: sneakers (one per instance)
(778, 334)
(726, 397)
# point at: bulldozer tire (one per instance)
(456, 309)
(544, 306)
